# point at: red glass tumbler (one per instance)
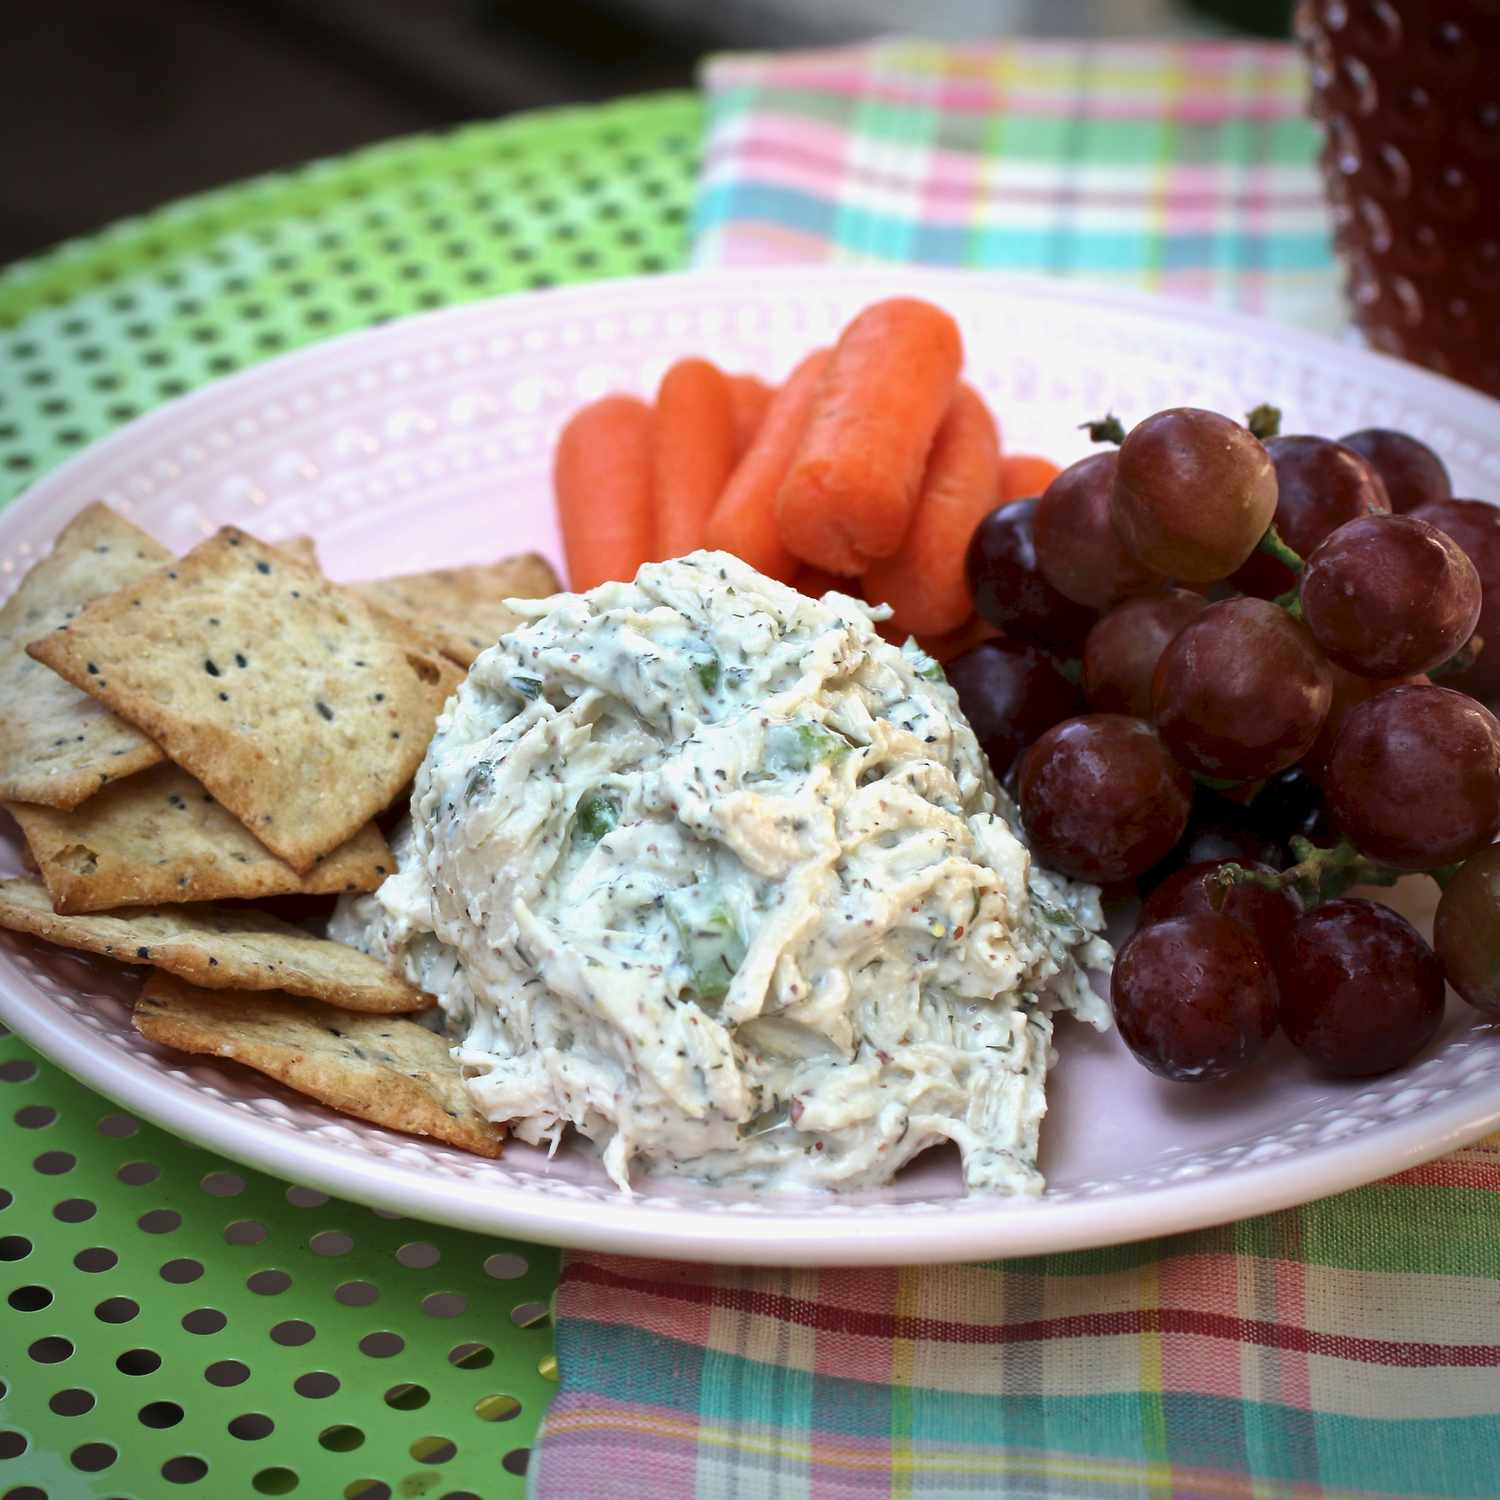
(1408, 92)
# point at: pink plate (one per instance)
(427, 442)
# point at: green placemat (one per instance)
(107, 327)
(170, 1320)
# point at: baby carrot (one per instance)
(924, 582)
(1025, 475)
(749, 396)
(943, 648)
(965, 638)
(849, 494)
(744, 520)
(814, 582)
(601, 477)
(693, 447)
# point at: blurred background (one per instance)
(109, 107)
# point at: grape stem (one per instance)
(1291, 602)
(1319, 874)
(1273, 544)
(1220, 784)
(1265, 421)
(1460, 661)
(1106, 429)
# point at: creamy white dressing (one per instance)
(713, 873)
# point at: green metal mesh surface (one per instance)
(173, 1322)
(107, 327)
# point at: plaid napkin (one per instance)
(1347, 1348)
(1185, 169)
(1350, 1348)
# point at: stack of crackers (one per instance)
(176, 733)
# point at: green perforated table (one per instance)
(171, 1321)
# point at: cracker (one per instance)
(303, 548)
(463, 609)
(158, 837)
(58, 745)
(283, 693)
(387, 1071)
(217, 947)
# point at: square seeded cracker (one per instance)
(462, 610)
(159, 837)
(236, 948)
(57, 744)
(382, 1069)
(297, 706)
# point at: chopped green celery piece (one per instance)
(766, 1121)
(596, 817)
(707, 670)
(926, 667)
(1057, 916)
(801, 746)
(711, 943)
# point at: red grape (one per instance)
(1101, 799)
(1121, 652)
(1241, 691)
(1475, 526)
(1077, 547)
(1009, 590)
(1412, 473)
(1010, 692)
(1267, 915)
(1466, 931)
(1194, 493)
(1414, 777)
(1319, 485)
(1360, 991)
(1194, 996)
(1386, 596)
(1349, 691)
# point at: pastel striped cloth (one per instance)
(1181, 169)
(1350, 1348)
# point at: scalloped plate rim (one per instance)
(795, 1231)
(802, 1236)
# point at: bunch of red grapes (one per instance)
(1249, 674)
